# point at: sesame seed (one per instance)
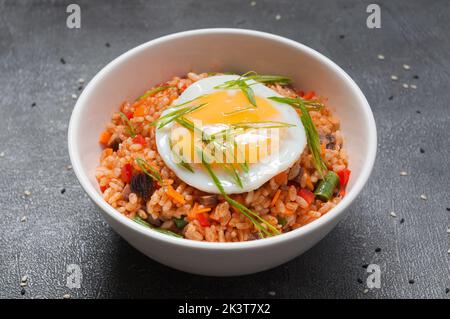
(272, 293)
(63, 191)
(416, 77)
(27, 193)
(448, 209)
(406, 66)
(448, 251)
(377, 250)
(2, 154)
(402, 221)
(405, 85)
(424, 197)
(365, 266)
(403, 173)
(411, 281)
(413, 86)
(68, 167)
(67, 296)
(447, 290)
(277, 17)
(380, 57)
(24, 278)
(23, 219)
(33, 104)
(62, 61)
(253, 3)
(22, 291)
(448, 230)
(394, 77)
(81, 80)
(359, 280)
(74, 96)
(393, 214)
(391, 98)
(366, 291)
(422, 150)
(23, 284)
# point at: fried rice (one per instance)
(277, 201)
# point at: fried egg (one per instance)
(265, 152)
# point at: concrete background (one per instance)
(63, 228)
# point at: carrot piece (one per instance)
(275, 198)
(204, 210)
(309, 184)
(192, 214)
(104, 137)
(103, 188)
(309, 95)
(281, 178)
(175, 195)
(139, 110)
(288, 212)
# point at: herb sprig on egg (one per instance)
(241, 83)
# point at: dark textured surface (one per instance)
(62, 229)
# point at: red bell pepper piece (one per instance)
(307, 195)
(139, 139)
(204, 221)
(344, 176)
(129, 114)
(126, 173)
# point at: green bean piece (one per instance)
(325, 189)
(180, 222)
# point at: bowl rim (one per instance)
(271, 241)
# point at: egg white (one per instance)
(290, 149)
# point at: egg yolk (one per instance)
(232, 107)
(223, 109)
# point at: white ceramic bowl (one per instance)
(210, 50)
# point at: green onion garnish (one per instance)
(257, 220)
(312, 136)
(240, 83)
(153, 92)
(142, 222)
(130, 128)
(270, 79)
(149, 170)
(310, 104)
(180, 160)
